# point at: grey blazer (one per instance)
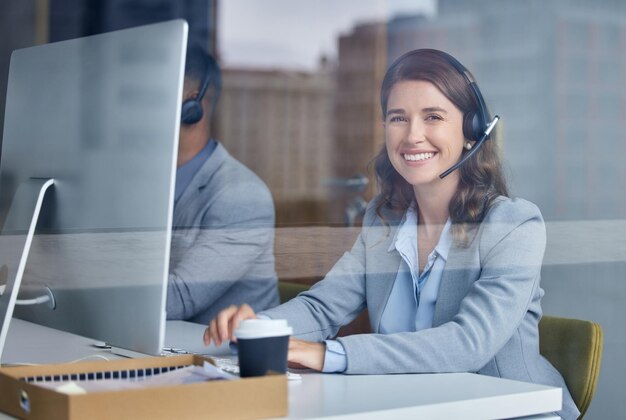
(486, 315)
(222, 250)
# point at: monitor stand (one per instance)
(27, 201)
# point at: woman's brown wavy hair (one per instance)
(481, 179)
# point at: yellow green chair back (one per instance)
(288, 290)
(574, 347)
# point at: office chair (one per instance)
(288, 290)
(574, 347)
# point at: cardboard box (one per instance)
(240, 399)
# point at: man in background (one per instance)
(223, 224)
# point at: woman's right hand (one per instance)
(227, 321)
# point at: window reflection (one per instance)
(300, 108)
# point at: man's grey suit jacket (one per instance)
(486, 315)
(222, 250)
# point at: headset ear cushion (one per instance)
(191, 112)
(471, 126)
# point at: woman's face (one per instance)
(423, 132)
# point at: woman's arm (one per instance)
(318, 313)
(336, 300)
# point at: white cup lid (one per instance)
(263, 328)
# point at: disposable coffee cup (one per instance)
(262, 346)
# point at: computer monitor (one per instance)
(100, 116)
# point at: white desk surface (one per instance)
(31, 343)
(429, 396)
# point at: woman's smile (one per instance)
(418, 157)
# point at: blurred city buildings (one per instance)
(279, 123)
(550, 70)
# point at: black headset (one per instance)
(192, 110)
(476, 125)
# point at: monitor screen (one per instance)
(100, 115)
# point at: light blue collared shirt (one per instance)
(411, 304)
(185, 173)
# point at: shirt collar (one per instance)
(407, 232)
(403, 232)
(185, 173)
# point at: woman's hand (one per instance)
(306, 354)
(225, 324)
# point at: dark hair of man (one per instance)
(200, 64)
(481, 179)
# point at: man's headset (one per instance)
(192, 110)
(476, 125)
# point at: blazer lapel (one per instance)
(383, 265)
(379, 288)
(461, 270)
(188, 202)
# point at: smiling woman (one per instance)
(448, 268)
(445, 109)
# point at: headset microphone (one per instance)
(474, 149)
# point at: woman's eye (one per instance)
(397, 118)
(433, 117)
